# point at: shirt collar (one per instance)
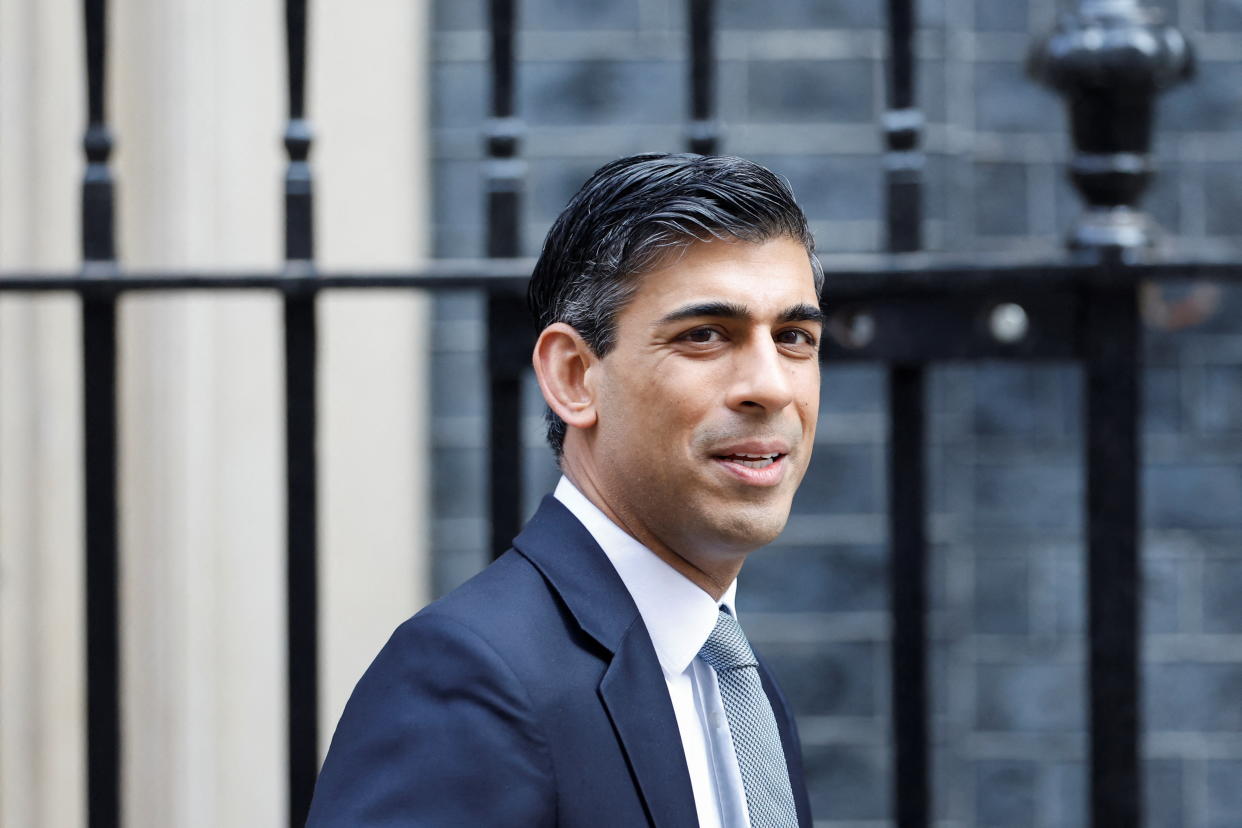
(678, 614)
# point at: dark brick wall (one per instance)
(800, 86)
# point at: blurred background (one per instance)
(398, 97)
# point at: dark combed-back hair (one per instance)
(629, 215)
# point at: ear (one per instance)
(562, 361)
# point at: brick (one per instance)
(533, 404)
(1039, 697)
(1190, 696)
(1029, 496)
(1026, 400)
(601, 92)
(1162, 400)
(1162, 200)
(461, 477)
(539, 476)
(451, 15)
(1223, 15)
(1192, 496)
(1001, 200)
(1219, 406)
(1162, 595)
(851, 388)
(826, 679)
(798, 14)
(793, 91)
(1222, 587)
(457, 306)
(1002, 596)
(1002, 15)
(1222, 193)
(1067, 807)
(931, 91)
(454, 565)
(838, 188)
(931, 14)
(461, 390)
(460, 94)
(1070, 599)
(458, 241)
(846, 782)
(1163, 783)
(802, 579)
(554, 182)
(1006, 793)
(579, 14)
(841, 479)
(458, 195)
(1223, 795)
(1209, 103)
(1006, 100)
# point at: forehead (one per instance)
(766, 277)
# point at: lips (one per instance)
(752, 461)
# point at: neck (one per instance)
(713, 577)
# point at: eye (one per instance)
(702, 336)
(796, 336)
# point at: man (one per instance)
(595, 675)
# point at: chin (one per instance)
(749, 529)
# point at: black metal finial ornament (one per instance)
(1110, 59)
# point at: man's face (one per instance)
(707, 403)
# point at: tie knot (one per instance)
(727, 648)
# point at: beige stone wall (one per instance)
(197, 102)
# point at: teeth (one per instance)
(753, 461)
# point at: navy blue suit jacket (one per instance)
(530, 696)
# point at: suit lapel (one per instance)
(633, 690)
(636, 697)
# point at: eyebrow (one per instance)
(803, 312)
(800, 312)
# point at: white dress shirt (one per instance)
(679, 616)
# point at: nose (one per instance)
(761, 379)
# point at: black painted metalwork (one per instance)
(907, 573)
(506, 173)
(103, 669)
(907, 438)
(1113, 458)
(301, 345)
(1110, 60)
(903, 125)
(704, 132)
(855, 277)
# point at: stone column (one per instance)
(42, 692)
(198, 105)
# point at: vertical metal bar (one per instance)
(301, 467)
(907, 593)
(505, 175)
(903, 125)
(907, 441)
(704, 134)
(103, 728)
(1113, 363)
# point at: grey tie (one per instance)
(756, 741)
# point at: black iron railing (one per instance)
(904, 309)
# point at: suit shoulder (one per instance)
(507, 606)
(490, 597)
